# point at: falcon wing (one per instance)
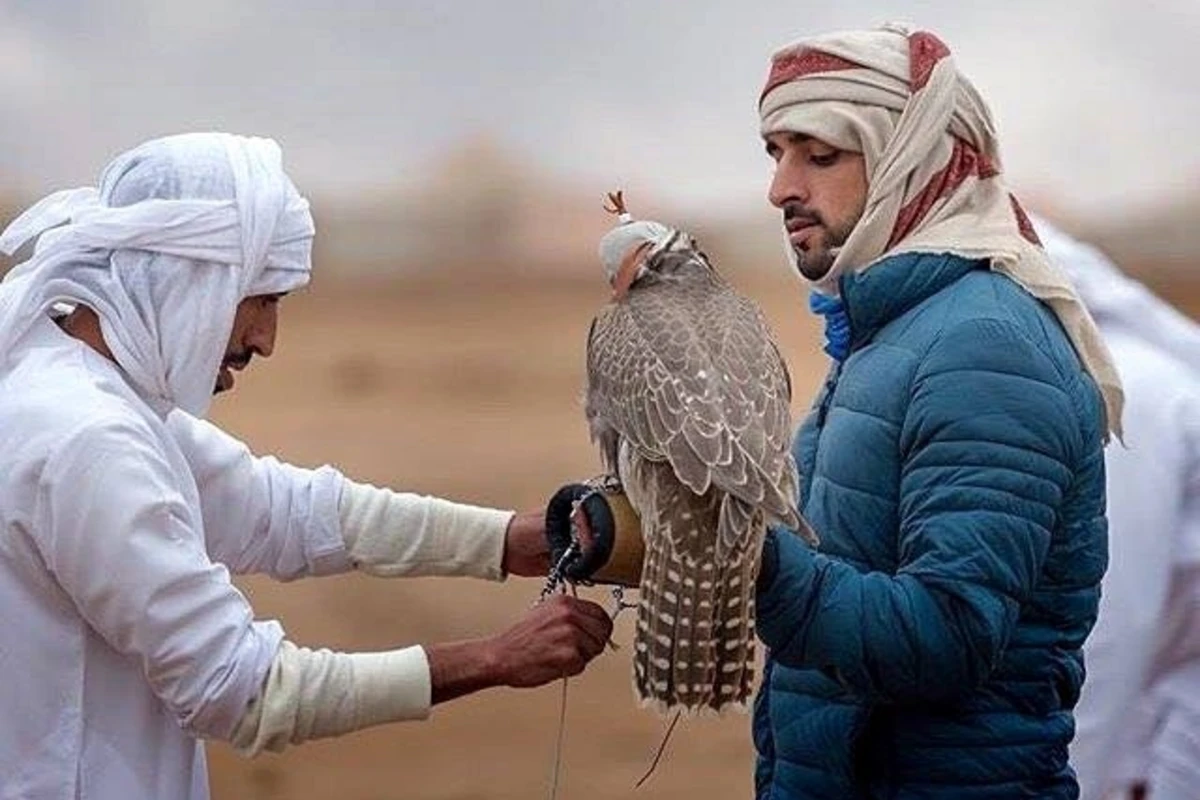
(686, 371)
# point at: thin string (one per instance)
(561, 736)
(557, 580)
(558, 743)
(661, 747)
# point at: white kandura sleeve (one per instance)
(125, 546)
(314, 694)
(261, 515)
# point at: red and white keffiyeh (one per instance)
(933, 166)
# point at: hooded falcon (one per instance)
(688, 400)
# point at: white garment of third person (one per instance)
(1138, 719)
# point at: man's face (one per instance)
(253, 334)
(821, 191)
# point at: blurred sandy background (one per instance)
(456, 155)
(472, 396)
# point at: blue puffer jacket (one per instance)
(953, 467)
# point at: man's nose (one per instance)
(262, 335)
(787, 185)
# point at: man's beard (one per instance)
(815, 261)
(234, 360)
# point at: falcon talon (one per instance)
(618, 595)
(608, 483)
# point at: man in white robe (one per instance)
(1138, 718)
(123, 642)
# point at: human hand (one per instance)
(555, 639)
(526, 549)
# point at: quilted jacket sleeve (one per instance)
(986, 453)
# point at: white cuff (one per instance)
(314, 694)
(393, 534)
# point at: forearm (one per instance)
(314, 694)
(461, 668)
(393, 534)
(885, 637)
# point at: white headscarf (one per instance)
(181, 230)
(933, 167)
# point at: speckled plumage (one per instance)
(689, 401)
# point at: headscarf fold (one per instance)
(933, 167)
(1118, 301)
(180, 231)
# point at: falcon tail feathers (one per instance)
(694, 647)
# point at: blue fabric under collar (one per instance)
(837, 324)
(871, 299)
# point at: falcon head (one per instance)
(636, 248)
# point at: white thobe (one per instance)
(1139, 715)
(122, 639)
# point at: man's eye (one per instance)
(824, 159)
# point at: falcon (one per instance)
(689, 401)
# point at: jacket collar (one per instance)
(876, 296)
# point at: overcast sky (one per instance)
(1096, 102)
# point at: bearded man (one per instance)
(122, 513)
(952, 466)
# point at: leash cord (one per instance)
(557, 576)
(555, 580)
(558, 743)
(661, 748)
(561, 736)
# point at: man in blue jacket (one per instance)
(952, 464)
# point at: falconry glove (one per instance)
(610, 549)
